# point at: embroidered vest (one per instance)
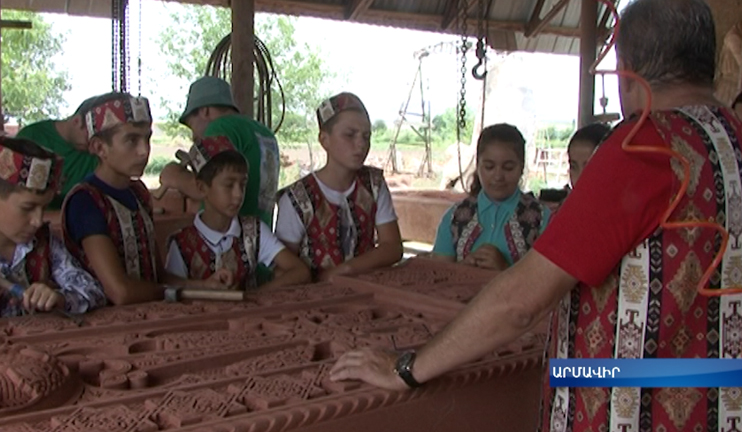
(37, 267)
(241, 259)
(521, 230)
(649, 307)
(132, 232)
(321, 247)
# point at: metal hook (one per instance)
(476, 70)
(481, 55)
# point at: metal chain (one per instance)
(482, 17)
(139, 54)
(461, 121)
(114, 44)
(127, 49)
(463, 9)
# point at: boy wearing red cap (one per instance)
(107, 219)
(340, 220)
(36, 270)
(219, 238)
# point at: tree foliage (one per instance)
(33, 86)
(197, 30)
(445, 126)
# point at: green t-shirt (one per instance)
(259, 146)
(77, 164)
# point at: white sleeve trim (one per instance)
(270, 246)
(384, 207)
(289, 226)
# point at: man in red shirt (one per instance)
(621, 286)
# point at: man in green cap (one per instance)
(68, 139)
(210, 111)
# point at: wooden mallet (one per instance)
(175, 294)
(183, 160)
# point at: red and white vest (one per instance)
(37, 267)
(321, 247)
(521, 230)
(132, 231)
(649, 307)
(241, 259)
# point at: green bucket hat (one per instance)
(205, 92)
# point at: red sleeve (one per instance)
(617, 203)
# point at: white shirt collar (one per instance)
(21, 250)
(215, 237)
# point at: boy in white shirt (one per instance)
(340, 220)
(219, 238)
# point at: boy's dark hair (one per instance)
(27, 148)
(230, 159)
(592, 133)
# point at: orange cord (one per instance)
(626, 145)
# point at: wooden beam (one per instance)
(535, 16)
(387, 18)
(354, 8)
(547, 19)
(243, 45)
(14, 24)
(588, 53)
(449, 14)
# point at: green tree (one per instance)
(379, 126)
(444, 126)
(32, 84)
(196, 30)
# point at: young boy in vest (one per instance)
(45, 275)
(219, 238)
(333, 218)
(107, 219)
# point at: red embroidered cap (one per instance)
(30, 172)
(115, 111)
(333, 106)
(202, 151)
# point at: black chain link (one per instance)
(114, 44)
(463, 10)
(127, 49)
(139, 54)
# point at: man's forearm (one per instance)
(497, 316)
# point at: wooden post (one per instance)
(588, 54)
(243, 44)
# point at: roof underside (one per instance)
(507, 25)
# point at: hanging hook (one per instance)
(477, 71)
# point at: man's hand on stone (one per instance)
(376, 367)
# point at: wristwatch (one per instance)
(403, 368)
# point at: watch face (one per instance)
(403, 362)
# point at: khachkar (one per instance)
(262, 365)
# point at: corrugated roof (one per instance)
(507, 20)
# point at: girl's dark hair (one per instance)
(500, 133)
(27, 148)
(592, 133)
(229, 159)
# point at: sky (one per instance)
(376, 63)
